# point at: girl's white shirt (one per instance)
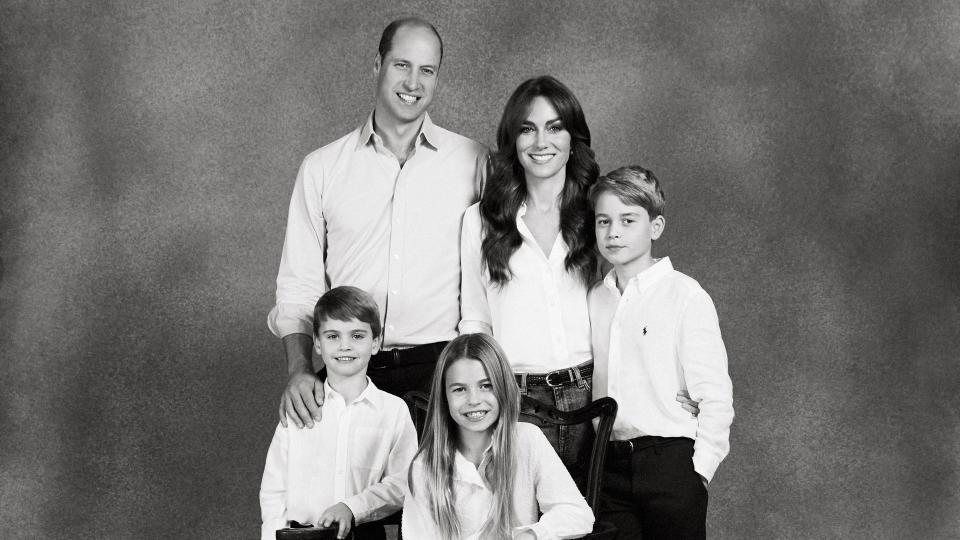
(541, 484)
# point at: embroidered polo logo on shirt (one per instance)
(644, 330)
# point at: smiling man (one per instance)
(380, 209)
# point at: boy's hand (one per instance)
(340, 514)
(691, 406)
(301, 400)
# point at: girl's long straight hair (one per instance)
(506, 187)
(439, 443)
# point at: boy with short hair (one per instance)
(352, 466)
(654, 332)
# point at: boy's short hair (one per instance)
(345, 303)
(633, 185)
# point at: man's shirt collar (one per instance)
(429, 134)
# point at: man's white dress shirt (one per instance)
(662, 336)
(540, 316)
(357, 218)
(541, 485)
(358, 454)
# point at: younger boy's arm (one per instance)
(386, 496)
(273, 487)
(704, 362)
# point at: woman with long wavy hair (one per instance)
(527, 251)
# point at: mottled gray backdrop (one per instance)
(810, 153)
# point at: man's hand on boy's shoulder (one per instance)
(301, 400)
(691, 406)
(303, 395)
(339, 514)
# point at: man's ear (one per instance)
(376, 64)
(657, 224)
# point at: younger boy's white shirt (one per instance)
(662, 336)
(541, 485)
(357, 454)
(540, 316)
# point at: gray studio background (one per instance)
(810, 153)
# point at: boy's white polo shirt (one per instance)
(659, 337)
(357, 454)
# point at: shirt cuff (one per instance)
(474, 327)
(358, 507)
(285, 319)
(268, 531)
(538, 529)
(705, 464)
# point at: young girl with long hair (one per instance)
(527, 251)
(479, 473)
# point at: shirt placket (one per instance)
(395, 255)
(342, 460)
(551, 285)
(614, 353)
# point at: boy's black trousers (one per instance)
(651, 491)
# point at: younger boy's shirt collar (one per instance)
(371, 394)
(642, 281)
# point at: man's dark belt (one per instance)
(636, 444)
(560, 377)
(420, 354)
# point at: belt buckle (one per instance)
(554, 385)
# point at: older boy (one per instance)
(352, 465)
(655, 332)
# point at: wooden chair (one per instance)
(417, 403)
(605, 409)
(310, 533)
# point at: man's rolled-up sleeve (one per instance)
(302, 276)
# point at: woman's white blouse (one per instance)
(541, 484)
(540, 316)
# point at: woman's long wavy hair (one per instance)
(506, 187)
(440, 438)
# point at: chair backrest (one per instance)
(310, 533)
(417, 403)
(603, 409)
